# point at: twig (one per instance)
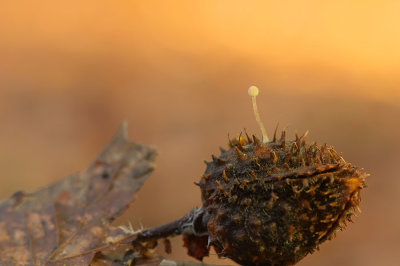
(186, 224)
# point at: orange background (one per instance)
(178, 72)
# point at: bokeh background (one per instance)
(178, 72)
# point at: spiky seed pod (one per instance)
(272, 203)
(268, 202)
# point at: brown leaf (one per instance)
(197, 246)
(69, 221)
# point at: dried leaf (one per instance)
(69, 221)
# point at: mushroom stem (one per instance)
(253, 92)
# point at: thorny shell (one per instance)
(273, 203)
(268, 202)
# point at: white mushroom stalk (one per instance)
(253, 92)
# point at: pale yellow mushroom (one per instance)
(253, 92)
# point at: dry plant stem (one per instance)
(186, 225)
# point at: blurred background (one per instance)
(178, 72)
